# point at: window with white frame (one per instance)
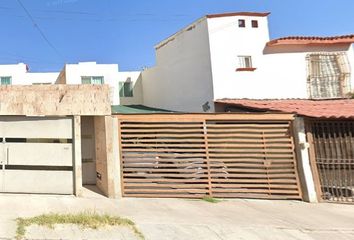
(6, 80)
(126, 88)
(244, 62)
(92, 80)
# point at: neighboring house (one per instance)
(231, 56)
(125, 86)
(18, 74)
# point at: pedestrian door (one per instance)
(36, 155)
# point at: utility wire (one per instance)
(39, 29)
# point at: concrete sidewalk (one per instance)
(181, 219)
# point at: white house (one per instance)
(18, 74)
(231, 56)
(126, 87)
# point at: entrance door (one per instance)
(88, 151)
(36, 155)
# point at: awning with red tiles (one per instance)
(342, 108)
(304, 40)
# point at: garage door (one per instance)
(36, 155)
(224, 156)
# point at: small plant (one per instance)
(211, 199)
(85, 220)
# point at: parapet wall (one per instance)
(54, 100)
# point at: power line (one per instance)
(39, 29)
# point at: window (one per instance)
(126, 88)
(92, 80)
(254, 23)
(245, 64)
(5, 80)
(241, 23)
(245, 61)
(328, 75)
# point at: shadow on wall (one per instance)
(137, 89)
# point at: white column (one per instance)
(303, 155)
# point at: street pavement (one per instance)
(182, 219)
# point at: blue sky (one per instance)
(124, 32)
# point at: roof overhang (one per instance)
(301, 40)
(250, 14)
(329, 109)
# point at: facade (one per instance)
(126, 87)
(42, 140)
(231, 56)
(18, 74)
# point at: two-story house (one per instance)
(230, 56)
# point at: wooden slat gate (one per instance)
(218, 155)
(333, 145)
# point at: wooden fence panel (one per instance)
(252, 160)
(199, 156)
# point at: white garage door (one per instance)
(36, 155)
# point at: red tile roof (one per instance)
(311, 40)
(252, 14)
(341, 108)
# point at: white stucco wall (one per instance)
(181, 79)
(42, 77)
(283, 71)
(227, 42)
(20, 76)
(74, 72)
(136, 79)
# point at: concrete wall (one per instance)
(20, 75)
(181, 79)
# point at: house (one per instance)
(231, 56)
(18, 74)
(126, 87)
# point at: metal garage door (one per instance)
(36, 155)
(192, 156)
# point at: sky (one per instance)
(46, 34)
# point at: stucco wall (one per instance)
(181, 79)
(20, 76)
(136, 79)
(284, 70)
(227, 42)
(74, 72)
